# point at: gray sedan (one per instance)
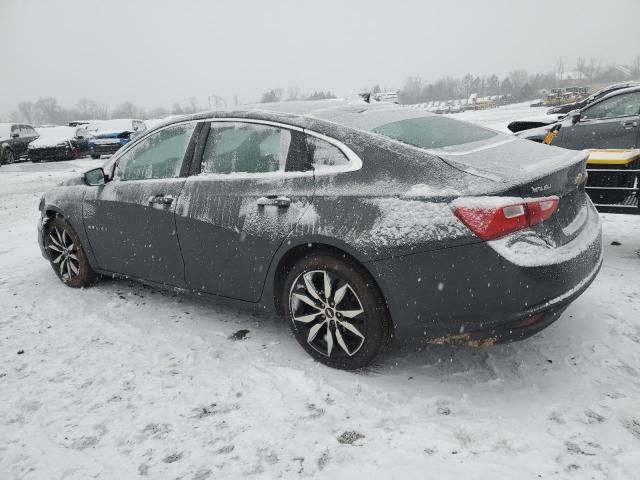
(357, 222)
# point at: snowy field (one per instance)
(124, 381)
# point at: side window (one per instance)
(158, 156)
(246, 148)
(618, 106)
(325, 155)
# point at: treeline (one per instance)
(518, 84)
(47, 110)
(292, 94)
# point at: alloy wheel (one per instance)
(9, 157)
(329, 312)
(63, 253)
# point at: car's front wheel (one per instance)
(337, 312)
(8, 157)
(66, 254)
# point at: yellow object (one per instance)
(548, 138)
(612, 156)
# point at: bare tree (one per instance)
(126, 110)
(518, 78)
(411, 90)
(560, 69)
(25, 109)
(274, 95)
(467, 85)
(581, 65)
(47, 111)
(635, 67)
(292, 93)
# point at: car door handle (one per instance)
(274, 200)
(161, 199)
(629, 124)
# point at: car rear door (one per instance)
(610, 123)
(130, 220)
(248, 192)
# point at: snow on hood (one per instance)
(52, 136)
(48, 142)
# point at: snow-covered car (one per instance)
(358, 222)
(109, 135)
(59, 143)
(14, 140)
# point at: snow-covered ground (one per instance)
(121, 381)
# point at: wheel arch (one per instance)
(291, 251)
(52, 211)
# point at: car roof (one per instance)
(620, 91)
(356, 114)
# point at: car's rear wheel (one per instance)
(66, 254)
(337, 313)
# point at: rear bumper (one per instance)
(473, 291)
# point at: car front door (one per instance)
(610, 123)
(249, 191)
(20, 142)
(130, 220)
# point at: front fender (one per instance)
(68, 202)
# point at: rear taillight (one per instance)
(493, 217)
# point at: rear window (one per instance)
(433, 132)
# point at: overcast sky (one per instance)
(155, 53)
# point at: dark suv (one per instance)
(14, 140)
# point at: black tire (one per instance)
(66, 254)
(7, 157)
(94, 156)
(358, 292)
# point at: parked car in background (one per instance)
(568, 107)
(109, 135)
(610, 123)
(59, 143)
(14, 139)
(473, 237)
(557, 113)
(613, 121)
(78, 123)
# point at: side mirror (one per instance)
(15, 134)
(575, 117)
(94, 177)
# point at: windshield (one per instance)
(434, 132)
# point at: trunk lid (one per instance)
(531, 170)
